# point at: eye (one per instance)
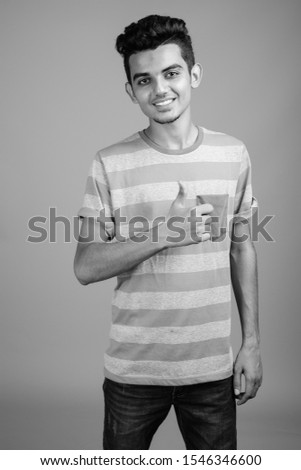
(143, 81)
(172, 74)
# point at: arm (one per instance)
(245, 286)
(97, 260)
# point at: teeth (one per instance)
(163, 103)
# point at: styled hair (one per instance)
(151, 32)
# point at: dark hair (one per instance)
(151, 32)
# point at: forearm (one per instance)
(97, 261)
(245, 286)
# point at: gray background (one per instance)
(62, 98)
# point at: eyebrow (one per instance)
(146, 74)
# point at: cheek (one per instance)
(142, 98)
(184, 89)
(141, 90)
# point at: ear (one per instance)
(196, 75)
(129, 90)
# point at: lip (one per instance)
(163, 102)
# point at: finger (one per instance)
(204, 236)
(255, 388)
(182, 192)
(202, 209)
(179, 201)
(206, 219)
(243, 398)
(237, 382)
(204, 225)
(249, 392)
(201, 230)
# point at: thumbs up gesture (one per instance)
(187, 225)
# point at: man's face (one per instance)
(161, 83)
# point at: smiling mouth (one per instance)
(160, 104)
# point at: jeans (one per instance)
(206, 414)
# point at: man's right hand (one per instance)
(97, 260)
(186, 225)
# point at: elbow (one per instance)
(85, 270)
(85, 276)
(81, 268)
(80, 275)
(82, 281)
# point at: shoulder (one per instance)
(220, 139)
(128, 145)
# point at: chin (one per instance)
(167, 120)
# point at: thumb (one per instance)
(178, 204)
(199, 200)
(237, 382)
(182, 192)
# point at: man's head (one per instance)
(160, 67)
(151, 32)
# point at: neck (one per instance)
(178, 135)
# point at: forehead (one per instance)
(154, 61)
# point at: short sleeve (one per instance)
(245, 204)
(97, 198)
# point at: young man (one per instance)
(161, 211)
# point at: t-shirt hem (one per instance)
(220, 375)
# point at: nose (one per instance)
(160, 87)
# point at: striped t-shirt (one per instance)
(171, 315)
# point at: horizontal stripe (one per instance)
(167, 172)
(127, 158)
(246, 210)
(245, 191)
(196, 249)
(153, 209)
(97, 172)
(176, 317)
(95, 188)
(168, 352)
(170, 334)
(129, 145)
(243, 197)
(161, 369)
(169, 191)
(182, 263)
(245, 159)
(176, 233)
(243, 180)
(172, 381)
(174, 282)
(92, 202)
(169, 300)
(220, 139)
(95, 204)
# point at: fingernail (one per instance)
(236, 391)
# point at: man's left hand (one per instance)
(248, 363)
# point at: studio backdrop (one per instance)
(62, 99)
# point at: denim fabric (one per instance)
(206, 414)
